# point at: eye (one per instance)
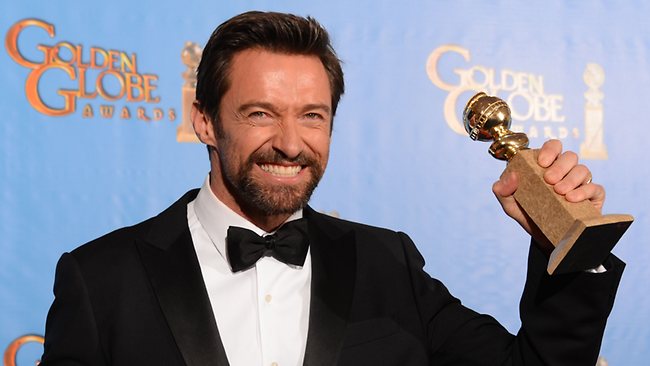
(260, 117)
(257, 114)
(313, 116)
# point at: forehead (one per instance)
(260, 57)
(259, 69)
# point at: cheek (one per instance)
(321, 146)
(230, 154)
(253, 140)
(242, 145)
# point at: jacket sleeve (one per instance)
(563, 317)
(71, 336)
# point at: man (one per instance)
(178, 289)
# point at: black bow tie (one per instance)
(289, 245)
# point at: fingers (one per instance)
(561, 167)
(592, 192)
(562, 170)
(568, 178)
(549, 152)
(574, 178)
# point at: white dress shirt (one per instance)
(262, 313)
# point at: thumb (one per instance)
(506, 185)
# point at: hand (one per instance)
(568, 178)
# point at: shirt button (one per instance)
(268, 299)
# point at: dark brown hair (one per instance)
(276, 32)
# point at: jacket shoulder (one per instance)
(368, 238)
(351, 225)
(157, 230)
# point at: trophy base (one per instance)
(582, 237)
(587, 243)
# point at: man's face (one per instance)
(273, 143)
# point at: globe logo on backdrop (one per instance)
(64, 74)
(535, 111)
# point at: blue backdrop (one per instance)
(92, 135)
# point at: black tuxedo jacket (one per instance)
(136, 297)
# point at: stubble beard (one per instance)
(271, 199)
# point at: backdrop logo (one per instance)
(191, 56)
(11, 352)
(73, 73)
(535, 111)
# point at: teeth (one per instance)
(281, 170)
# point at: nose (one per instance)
(288, 139)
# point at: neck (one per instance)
(265, 222)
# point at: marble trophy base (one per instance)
(582, 237)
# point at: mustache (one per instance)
(276, 157)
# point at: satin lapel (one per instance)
(333, 256)
(171, 263)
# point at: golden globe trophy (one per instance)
(191, 56)
(582, 237)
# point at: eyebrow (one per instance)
(251, 105)
(323, 107)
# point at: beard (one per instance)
(266, 198)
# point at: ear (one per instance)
(203, 126)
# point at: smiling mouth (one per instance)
(281, 170)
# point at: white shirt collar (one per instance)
(216, 217)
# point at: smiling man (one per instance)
(243, 272)
(270, 143)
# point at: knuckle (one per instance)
(571, 155)
(555, 143)
(582, 168)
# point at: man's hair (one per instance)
(275, 32)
